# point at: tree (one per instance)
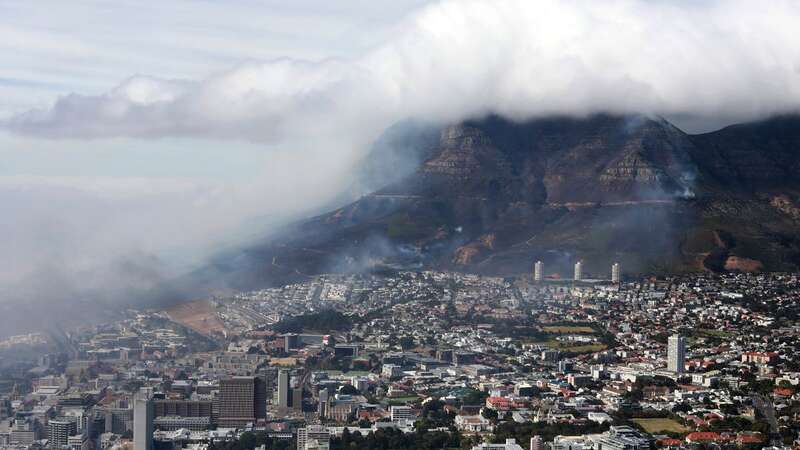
(474, 397)
(247, 440)
(761, 426)
(406, 342)
(633, 396)
(681, 407)
(346, 438)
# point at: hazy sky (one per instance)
(150, 130)
(49, 49)
(75, 209)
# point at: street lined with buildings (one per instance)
(430, 360)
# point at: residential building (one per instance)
(676, 353)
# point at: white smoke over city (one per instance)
(700, 62)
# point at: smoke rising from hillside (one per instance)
(697, 61)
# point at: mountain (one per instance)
(493, 195)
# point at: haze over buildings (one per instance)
(132, 135)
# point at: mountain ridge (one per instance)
(492, 196)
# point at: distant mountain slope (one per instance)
(492, 196)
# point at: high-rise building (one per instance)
(259, 398)
(143, 424)
(270, 376)
(676, 353)
(290, 341)
(322, 409)
(313, 436)
(282, 390)
(578, 271)
(242, 400)
(297, 398)
(538, 271)
(59, 431)
(615, 273)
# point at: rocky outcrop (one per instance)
(494, 195)
(785, 205)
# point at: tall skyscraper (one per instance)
(297, 398)
(270, 376)
(322, 409)
(578, 271)
(283, 389)
(242, 400)
(143, 423)
(615, 273)
(538, 271)
(260, 398)
(676, 353)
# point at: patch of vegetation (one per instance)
(721, 334)
(575, 348)
(569, 329)
(433, 415)
(323, 321)
(397, 401)
(522, 432)
(396, 439)
(581, 349)
(660, 425)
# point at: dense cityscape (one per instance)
(425, 360)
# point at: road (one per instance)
(256, 317)
(765, 407)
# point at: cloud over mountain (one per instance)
(735, 60)
(697, 63)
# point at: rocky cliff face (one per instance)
(465, 157)
(752, 156)
(493, 196)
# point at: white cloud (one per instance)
(705, 61)
(455, 59)
(88, 46)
